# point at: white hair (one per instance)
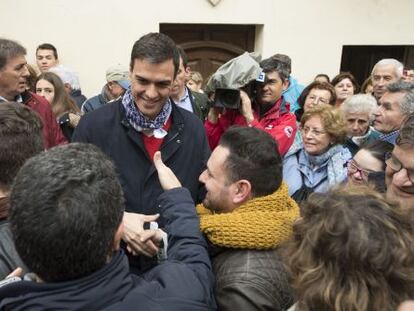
(398, 66)
(360, 103)
(67, 75)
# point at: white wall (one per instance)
(92, 35)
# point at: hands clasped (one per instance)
(142, 241)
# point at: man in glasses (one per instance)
(400, 166)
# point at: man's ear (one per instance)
(242, 191)
(187, 71)
(285, 84)
(118, 236)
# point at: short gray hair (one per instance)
(398, 66)
(360, 103)
(407, 104)
(9, 49)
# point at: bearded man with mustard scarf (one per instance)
(246, 214)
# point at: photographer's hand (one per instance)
(213, 114)
(246, 107)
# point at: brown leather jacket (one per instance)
(251, 280)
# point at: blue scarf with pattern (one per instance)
(140, 122)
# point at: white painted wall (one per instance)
(92, 35)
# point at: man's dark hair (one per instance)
(406, 135)
(253, 156)
(9, 49)
(48, 46)
(407, 88)
(284, 59)
(183, 56)
(378, 149)
(272, 64)
(155, 48)
(20, 138)
(66, 205)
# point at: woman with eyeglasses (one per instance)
(321, 160)
(314, 94)
(368, 164)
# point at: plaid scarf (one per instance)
(140, 122)
(390, 137)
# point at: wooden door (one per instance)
(210, 46)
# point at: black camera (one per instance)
(227, 98)
(230, 98)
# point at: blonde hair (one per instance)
(196, 77)
(333, 121)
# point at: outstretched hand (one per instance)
(166, 176)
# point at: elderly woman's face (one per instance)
(357, 123)
(344, 89)
(314, 137)
(316, 97)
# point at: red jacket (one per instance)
(52, 134)
(279, 122)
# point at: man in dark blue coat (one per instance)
(143, 121)
(67, 226)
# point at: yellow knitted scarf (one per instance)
(260, 223)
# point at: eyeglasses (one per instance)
(394, 164)
(354, 168)
(316, 99)
(305, 130)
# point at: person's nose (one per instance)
(358, 175)
(41, 93)
(355, 126)
(151, 91)
(202, 177)
(317, 101)
(25, 72)
(400, 179)
(308, 134)
(381, 82)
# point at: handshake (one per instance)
(148, 242)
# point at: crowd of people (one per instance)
(244, 191)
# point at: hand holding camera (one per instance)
(246, 106)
